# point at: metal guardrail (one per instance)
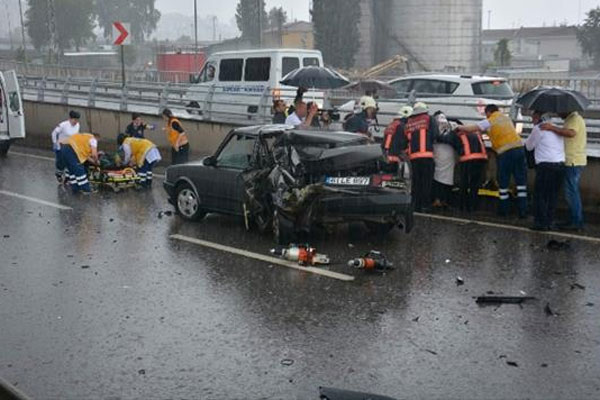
(230, 104)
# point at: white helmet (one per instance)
(367, 102)
(404, 112)
(420, 108)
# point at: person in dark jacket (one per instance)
(279, 114)
(361, 121)
(137, 127)
(420, 132)
(472, 160)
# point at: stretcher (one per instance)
(113, 178)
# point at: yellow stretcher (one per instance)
(115, 179)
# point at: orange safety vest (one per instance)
(80, 143)
(172, 134)
(388, 136)
(468, 153)
(139, 148)
(422, 145)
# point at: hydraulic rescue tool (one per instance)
(302, 254)
(372, 261)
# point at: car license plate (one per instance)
(348, 180)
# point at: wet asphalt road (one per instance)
(98, 303)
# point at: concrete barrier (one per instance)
(205, 137)
(41, 118)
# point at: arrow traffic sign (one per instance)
(121, 33)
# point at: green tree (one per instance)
(588, 35)
(141, 14)
(502, 54)
(335, 24)
(251, 19)
(277, 18)
(74, 22)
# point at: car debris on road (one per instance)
(493, 299)
(372, 261)
(303, 254)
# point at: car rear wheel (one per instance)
(283, 229)
(187, 203)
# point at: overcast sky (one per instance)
(504, 13)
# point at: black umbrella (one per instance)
(554, 100)
(314, 78)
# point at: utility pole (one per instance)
(53, 35)
(260, 22)
(489, 19)
(10, 38)
(195, 35)
(214, 21)
(23, 32)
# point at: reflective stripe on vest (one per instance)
(139, 149)
(422, 152)
(80, 143)
(389, 133)
(468, 152)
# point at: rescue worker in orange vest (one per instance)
(511, 159)
(472, 158)
(180, 147)
(76, 150)
(420, 132)
(393, 134)
(140, 153)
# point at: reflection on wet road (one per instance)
(98, 302)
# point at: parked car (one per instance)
(291, 181)
(236, 80)
(12, 120)
(462, 97)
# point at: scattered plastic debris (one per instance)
(459, 281)
(544, 365)
(558, 245)
(372, 261)
(589, 304)
(503, 299)
(416, 319)
(6, 236)
(287, 362)
(512, 363)
(549, 311)
(431, 352)
(576, 285)
(448, 261)
(303, 254)
(85, 266)
(142, 372)
(167, 213)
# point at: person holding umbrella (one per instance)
(567, 104)
(302, 116)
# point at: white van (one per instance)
(232, 84)
(12, 120)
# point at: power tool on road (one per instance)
(302, 254)
(372, 261)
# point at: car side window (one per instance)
(208, 73)
(237, 153)
(402, 87)
(288, 64)
(230, 70)
(431, 86)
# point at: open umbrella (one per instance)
(315, 78)
(554, 100)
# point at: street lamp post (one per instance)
(23, 32)
(195, 35)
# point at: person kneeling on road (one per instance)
(75, 151)
(141, 153)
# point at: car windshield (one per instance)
(493, 88)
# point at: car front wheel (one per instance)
(187, 203)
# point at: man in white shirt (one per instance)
(63, 131)
(549, 153)
(299, 117)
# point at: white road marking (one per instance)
(509, 227)
(264, 258)
(35, 200)
(18, 153)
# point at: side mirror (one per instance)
(210, 161)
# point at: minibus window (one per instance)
(288, 64)
(257, 69)
(230, 70)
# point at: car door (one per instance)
(13, 106)
(226, 186)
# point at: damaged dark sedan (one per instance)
(292, 181)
